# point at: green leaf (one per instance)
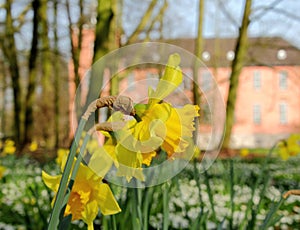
(65, 222)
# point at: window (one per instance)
(256, 79)
(283, 80)
(206, 81)
(256, 114)
(283, 113)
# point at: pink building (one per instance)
(268, 99)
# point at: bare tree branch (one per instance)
(145, 19)
(265, 10)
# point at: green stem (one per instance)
(264, 170)
(231, 179)
(134, 215)
(54, 218)
(197, 178)
(114, 222)
(210, 195)
(146, 206)
(270, 215)
(166, 207)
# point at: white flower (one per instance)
(193, 213)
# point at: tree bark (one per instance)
(104, 42)
(46, 105)
(236, 68)
(56, 77)
(9, 48)
(198, 52)
(29, 102)
(2, 93)
(76, 49)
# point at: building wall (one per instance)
(266, 110)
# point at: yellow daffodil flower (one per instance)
(33, 146)
(62, 155)
(283, 151)
(2, 170)
(88, 194)
(157, 124)
(293, 144)
(289, 147)
(9, 147)
(244, 152)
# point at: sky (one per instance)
(222, 19)
(181, 18)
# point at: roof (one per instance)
(267, 51)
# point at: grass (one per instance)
(232, 194)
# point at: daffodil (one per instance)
(9, 147)
(62, 155)
(2, 171)
(156, 125)
(293, 144)
(33, 146)
(244, 152)
(178, 123)
(88, 195)
(289, 147)
(283, 151)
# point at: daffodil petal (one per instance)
(100, 162)
(171, 79)
(130, 163)
(147, 157)
(106, 201)
(51, 182)
(179, 126)
(89, 214)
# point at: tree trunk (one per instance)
(9, 48)
(102, 45)
(56, 77)
(76, 48)
(29, 102)
(46, 106)
(198, 52)
(2, 95)
(236, 67)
